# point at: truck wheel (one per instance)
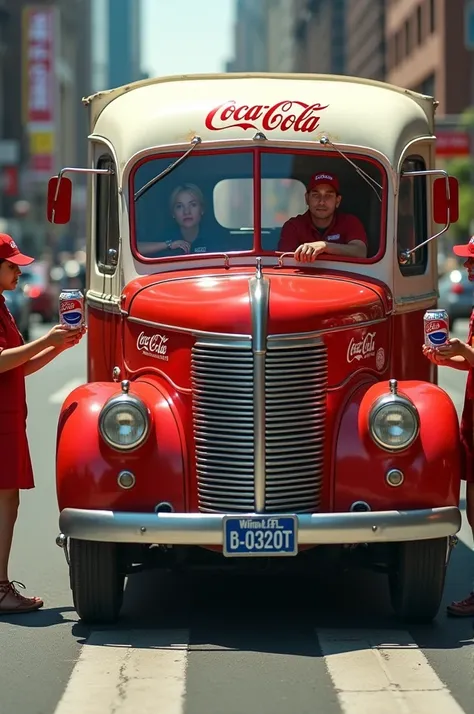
(417, 577)
(97, 582)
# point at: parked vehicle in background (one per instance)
(36, 282)
(455, 295)
(19, 305)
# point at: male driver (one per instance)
(323, 229)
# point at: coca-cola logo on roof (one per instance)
(284, 115)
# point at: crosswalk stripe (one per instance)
(377, 672)
(126, 672)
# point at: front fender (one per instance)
(431, 466)
(87, 468)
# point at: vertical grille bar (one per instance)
(259, 294)
(223, 417)
(295, 394)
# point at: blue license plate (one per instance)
(260, 535)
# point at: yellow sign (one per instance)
(41, 143)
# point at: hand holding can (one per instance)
(452, 348)
(62, 337)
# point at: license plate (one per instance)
(260, 535)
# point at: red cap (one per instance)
(466, 250)
(9, 251)
(319, 179)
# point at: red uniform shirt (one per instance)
(298, 230)
(15, 468)
(467, 419)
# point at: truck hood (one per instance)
(220, 303)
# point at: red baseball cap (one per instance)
(318, 179)
(466, 250)
(9, 251)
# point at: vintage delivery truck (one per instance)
(243, 406)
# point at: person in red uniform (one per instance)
(16, 361)
(460, 355)
(323, 228)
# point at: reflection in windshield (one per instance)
(206, 204)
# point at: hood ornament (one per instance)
(258, 269)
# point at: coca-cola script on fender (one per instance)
(153, 345)
(363, 349)
(284, 115)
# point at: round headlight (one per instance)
(124, 422)
(394, 424)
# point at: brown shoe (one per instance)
(462, 608)
(12, 603)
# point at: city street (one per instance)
(212, 645)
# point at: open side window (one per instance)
(412, 224)
(107, 217)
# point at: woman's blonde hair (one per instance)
(191, 188)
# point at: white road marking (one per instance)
(128, 672)
(377, 672)
(59, 396)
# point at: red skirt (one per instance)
(16, 471)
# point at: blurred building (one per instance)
(319, 34)
(124, 53)
(250, 35)
(281, 40)
(46, 70)
(99, 45)
(365, 34)
(116, 44)
(289, 36)
(52, 54)
(426, 52)
(9, 147)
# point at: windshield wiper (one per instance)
(371, 181)
(195, 141)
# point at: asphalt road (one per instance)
(214, 645)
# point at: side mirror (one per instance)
(59, 199)
(445, 210)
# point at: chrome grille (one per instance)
(295, 396)
(223, 397)
(222, 378)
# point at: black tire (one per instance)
(97, 581)
(416, 577)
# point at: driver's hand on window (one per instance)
(308, 252)
(182, 244)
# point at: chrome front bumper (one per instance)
(207, 529)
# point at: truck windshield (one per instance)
(209, 203)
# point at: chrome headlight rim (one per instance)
(391, 400)
(124, 400)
